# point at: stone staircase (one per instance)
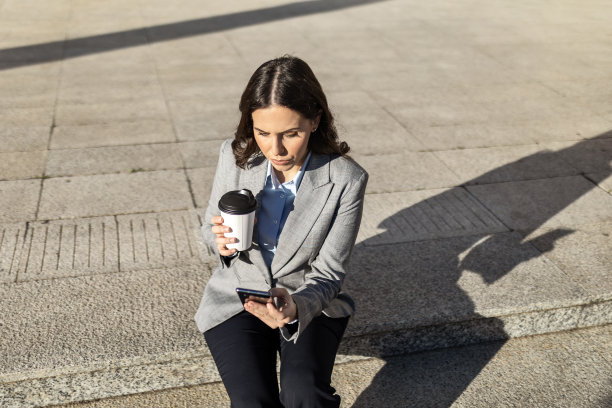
(102, 307)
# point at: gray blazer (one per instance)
(313, 249)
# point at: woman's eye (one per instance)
(293, 134)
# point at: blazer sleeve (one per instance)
(224, 175)
(324, 280)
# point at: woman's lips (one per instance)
(279, 162)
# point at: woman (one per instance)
(309, 204)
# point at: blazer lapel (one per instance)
(309, 202)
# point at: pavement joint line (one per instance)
(141, 360)
(596, 184)
(105, 273)
(168, 211)
(489, 211)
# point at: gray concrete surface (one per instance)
(568, 369)
(485, 127)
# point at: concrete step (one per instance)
(569, 369)
(110, 334)
(103, 306)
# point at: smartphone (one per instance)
(250, 294)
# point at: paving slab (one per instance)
(532, 111)
(455, 137)
(52, 12)
(416, 92)
(99, 320)
(603, 180)
(507, 163)
(454, 377)
(518, 93)
(98, 245)
(596, 336)
(405, 172)
(86, 196)
(26, 52)
(22, 165)
(201, 153)
(136, 90)
(67, 248)
(453, 280)
(18, 200)
(112, 134)
(588, 156)
(27, 101)
(127, 67)
(115, 159)
(24, 117)
(99, 113)
(598, 104)
(556, 202)
(582, 252)
(367, 76)
(572, 89)
(159, 240)
(440, 114)
(555, 63)
(572, 128)
(14, 32)
(27, 90)
(11, 242)
(392, 218)
(203, 79)
(391, 136)
(549, 370)
(198, 121)
(201, 180)
(251, 41)
(105, 47)
(211, 47)
(542, 369)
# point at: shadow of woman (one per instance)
(409, 280)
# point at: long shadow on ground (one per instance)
(58, 50)
(401, 283)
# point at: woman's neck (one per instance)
(284, 177)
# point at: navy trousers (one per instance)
(245, 349)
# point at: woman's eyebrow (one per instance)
(284, 131)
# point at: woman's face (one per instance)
(282, 135)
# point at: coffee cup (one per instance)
(238, 212)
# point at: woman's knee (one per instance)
(302, 388)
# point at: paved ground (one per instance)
(569, 369)
(486, 127)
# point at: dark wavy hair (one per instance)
(286, 81)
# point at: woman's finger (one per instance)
(221, 240)
(220, 229)
(274, 312)
(217, 219)
(227, 252)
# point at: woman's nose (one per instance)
(277, 146)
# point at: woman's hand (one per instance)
(269, 314)
(219, 230)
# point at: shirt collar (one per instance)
(294, 182)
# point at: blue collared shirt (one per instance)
(276, 204)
